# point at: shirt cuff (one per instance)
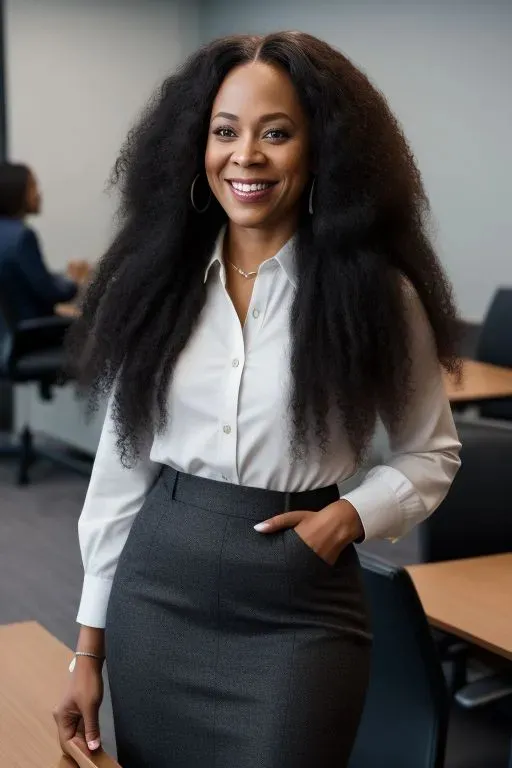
(94, 601)
(387, 503)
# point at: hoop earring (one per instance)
(194, 206)
(310, 206)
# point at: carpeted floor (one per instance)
(40, 578)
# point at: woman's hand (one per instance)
(78, 713)
(327, 532)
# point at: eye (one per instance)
(224, 132)
(277, 134)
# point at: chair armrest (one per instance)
(36, 335)
(484, 691)
(40, 323)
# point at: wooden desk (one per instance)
(480, 381)
(470, 598)
(69, 309)
(33, 676)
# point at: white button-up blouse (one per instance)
(229, 421)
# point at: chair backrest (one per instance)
(6, 303)
(495, 340)
(495, 346)
(405, 718)
(475, 518)
(14, 293)
(8, 319)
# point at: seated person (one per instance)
(33, 289)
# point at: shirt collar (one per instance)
(216, 256)
(285, 257)
(287, 260)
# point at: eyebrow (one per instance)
(263, 118)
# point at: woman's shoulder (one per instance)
(13, 233)
(408, 290)
(12, 226)
(411, 299)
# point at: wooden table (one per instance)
(33, 677)
(480, 381)
(68, 309)
(470, 598)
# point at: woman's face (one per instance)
(257, 155)
(33, 196)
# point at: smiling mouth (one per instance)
(251, 192)
(252, 187)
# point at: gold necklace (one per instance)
(247, 275)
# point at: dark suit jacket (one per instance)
(31, 290)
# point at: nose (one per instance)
(247, 153)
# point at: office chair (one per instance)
(32, 352)
(405, 719)
(475, 518)
(495, 346)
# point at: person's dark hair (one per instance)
(14, 179)
(348, 325)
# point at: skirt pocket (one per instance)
(299, 552)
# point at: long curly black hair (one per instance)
(348, 321)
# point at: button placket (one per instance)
(258, 305)
(228, 421)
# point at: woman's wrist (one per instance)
(91, 640)
(350, 527)
(86, 661)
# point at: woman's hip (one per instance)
(226, 647)
(193, 550)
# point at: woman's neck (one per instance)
(250, 247)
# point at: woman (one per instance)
(33, 290)
(270, 293)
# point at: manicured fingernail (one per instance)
(261, 527)
(93, 744)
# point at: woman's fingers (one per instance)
(92, 727)
(67, 724)
(284, 520)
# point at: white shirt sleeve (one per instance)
(114, 497)
(393, 498)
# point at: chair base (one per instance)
(26, 457)
(27, 454)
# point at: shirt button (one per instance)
(235, 363)
(227, 429)
(255, 313)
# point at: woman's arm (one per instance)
(49, 288)
(424, 450)
(114, 497)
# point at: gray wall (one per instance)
(446, 69)
(78, 73)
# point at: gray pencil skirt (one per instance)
(227, 648)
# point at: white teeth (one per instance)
(249, 187)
